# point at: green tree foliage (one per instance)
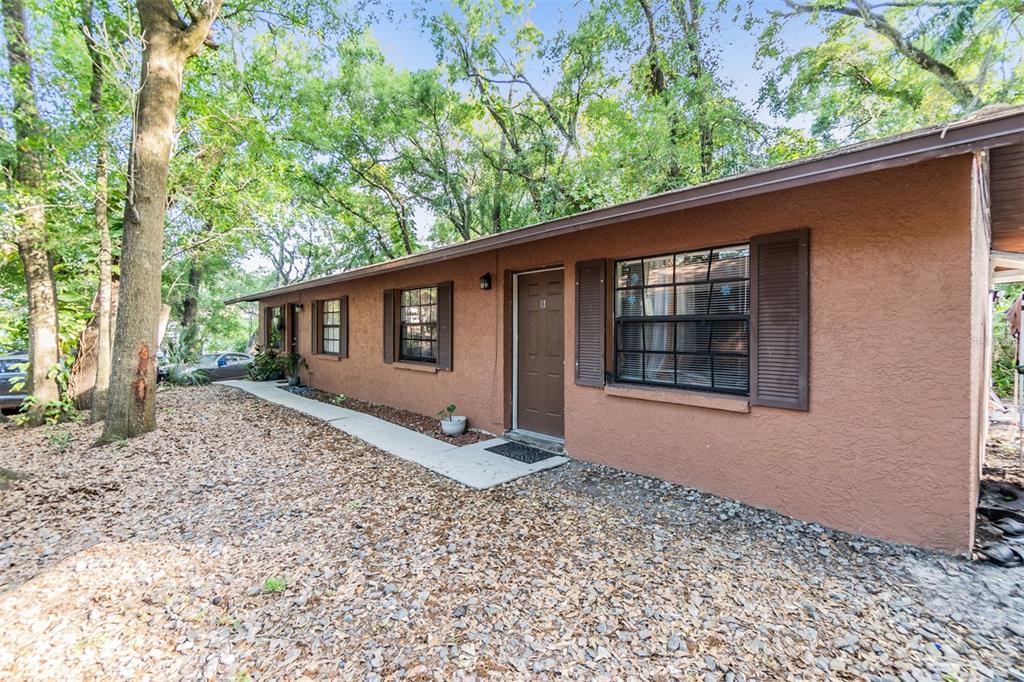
(302, 148)
(885, 67)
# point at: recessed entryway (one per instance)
(293, 327)
(538, 401)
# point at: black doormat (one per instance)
(522, 453)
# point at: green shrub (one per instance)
(55, 411)
(185, 348)
(179, 376)
(1003, 344)
(267, 364)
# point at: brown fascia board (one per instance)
(1000, 128)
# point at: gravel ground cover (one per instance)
(244, 541)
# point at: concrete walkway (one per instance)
(470, 465)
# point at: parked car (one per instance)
(12, 371)
(224, 365)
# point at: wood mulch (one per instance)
(428, 426)
(243, 541)
(1002, 458)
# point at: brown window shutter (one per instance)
(343, 332)
(389, 325)
(590, 331)
(316, 343)
(444, 326)
(779, 319)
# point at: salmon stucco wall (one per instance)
(890, 444)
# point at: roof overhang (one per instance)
(984, 130)
(1007, 267)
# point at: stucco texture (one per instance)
(890, 444)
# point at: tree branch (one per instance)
(876, 22)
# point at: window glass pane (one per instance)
(428, 313)
(731, 373)
(631, 336)
(658, 301)
(693, 370)
(418, 324)
(730, 297)
(659, 336)
(693, 337)
(658, 270)
(630, 366)
(331, 346)
(730, 336)
(692, 267)
(418, 349)
(692, 299)
(703, 301)
(659, 369)
(731, 263)
(629, 274)
(332, 306)
(629, 302)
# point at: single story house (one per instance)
(812, 337)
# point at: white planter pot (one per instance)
(454, 426)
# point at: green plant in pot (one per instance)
(291, 363)
(451, 423)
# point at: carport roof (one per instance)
(987, 128)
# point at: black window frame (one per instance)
(322, 326)
(403, 336)
(279, 309)
(706, 322)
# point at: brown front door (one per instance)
(540, 353)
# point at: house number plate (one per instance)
(543, 304)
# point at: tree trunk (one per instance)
(658, 87)
(104, 346)
(690, 22)
(190, 308)
(82, 382)
(100, 207)
(36, 262)
(167, 44)
(190, 303)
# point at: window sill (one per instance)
(327, 356)
(416, 366)
(713, 401)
